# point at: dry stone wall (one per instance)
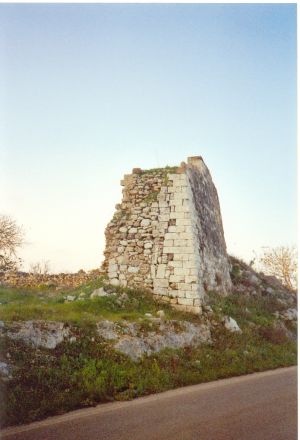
(167, 235)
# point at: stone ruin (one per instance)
(167, 236)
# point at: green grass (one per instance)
(23, 305)
(88, 371)
(164, 170)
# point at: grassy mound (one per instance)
(88, 371)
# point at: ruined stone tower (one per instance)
(167, 235)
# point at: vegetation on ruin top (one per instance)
(164, 170)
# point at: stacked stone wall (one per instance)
(154, 239)
(59, 281)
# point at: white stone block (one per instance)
(145, 222)
(162, 204)
(180, 257)
(187, 250)
(164, 217)
(176, 278)
(179, 271)
(112, 267)
(191, 279)
(193, 272)
(185, 301)
(184, 286)
(177, 215)
(115, 282)
(157, 283)
(148, 245)
(161, 271)
(175, 263)
(191, 294)
(180, 242)
(168, 243)
(133, 269)
(161, 291)
(182, 221)
(171, 236)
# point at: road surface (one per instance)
(260, 406)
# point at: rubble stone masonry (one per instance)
(167, 235)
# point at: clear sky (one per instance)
(89, 91)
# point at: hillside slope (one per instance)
(63, 349)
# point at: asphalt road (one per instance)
(260, 406)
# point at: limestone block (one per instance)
(145, 223)
(115, 282)
(175, 263)
(181, 208)
(191, 279)
(133, 230)
(168, 243)
(163, 204)
(187, 250)
(186, 301)
(112, 274)
(161, 291)
(191, 294)
(148, 245)
(173, 293)
(133, 269)
(157, 283)
(172, 236)
(180, 242)
(161, 271)
(195, 309)
(176, 278)
(193, 272)
(123, 229)
(183, 221)
(163, 217)
(178, 216)
(112, 267)
(181, 257)
(184, 286)
(179, 271)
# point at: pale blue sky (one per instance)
(88, 92)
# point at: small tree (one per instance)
(281, 262)
(11, 238)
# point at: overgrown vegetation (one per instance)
(164, 170)
(88, 371)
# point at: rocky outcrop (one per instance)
(47, 334)
(132, 340)
(167, 235)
